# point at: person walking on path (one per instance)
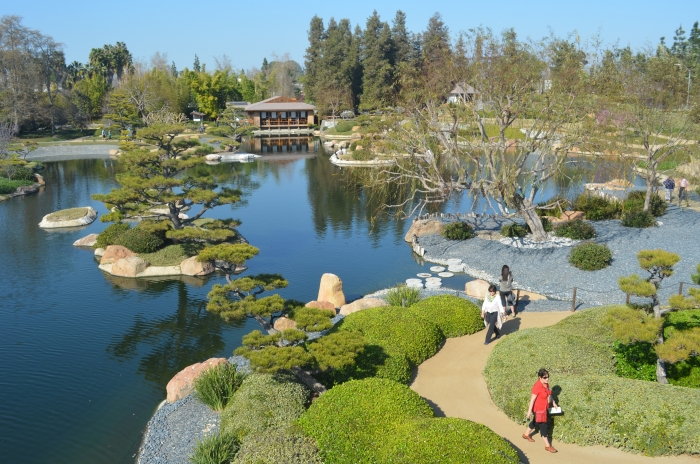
(506, 289)
(539, 404)
(103, 134)
(109, 135)
(669, 185)
(493, 314)
(683, 190)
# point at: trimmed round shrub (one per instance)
(214, 449)
(263, 401)
(635, 202)
(514, 230)
(454, 316)
(600, 408)
(377, 420)
(638, 219)
(215, 386)
(374, 361)
(283, 445)
(397, 332)
(139, 241)
(350, 421)
(110, 235)
(458, 231)
(590, 256)
(597, 208)
(575, 230)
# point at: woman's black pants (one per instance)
(491, 319)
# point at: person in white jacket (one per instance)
(493, 314)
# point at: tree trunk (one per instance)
(528, 213)
(174, 215)
(650, 179)
(660, 365)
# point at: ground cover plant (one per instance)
(590, 256)
(600, 407)
(9, 186)
(68, 214)
(453, 315)
(378, 420)
(287, 445)
(215, 386)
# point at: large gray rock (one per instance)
(424, 227)
(192, 267)
(362, 303)
(129, 267)
(331, 290)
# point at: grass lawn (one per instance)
(67, 214)
(171, 255)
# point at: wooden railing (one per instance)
(286, 122)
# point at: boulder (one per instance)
(183, 383)
(26, 189)
(476, 288)
(114, 253)
(39, 179)
(424, 227)
(99, 252)
(87, 241)
(355, 128)
(114, 152)
(362, 303)
(327, 305)
(192, 267)
(50, 220)
(130, 266)
(331, 290)
(284, 323)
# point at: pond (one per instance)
(86, 356)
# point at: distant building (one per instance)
(239, 105)
(461, 93)
(281, 113)
(197, 116)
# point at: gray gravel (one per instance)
(548, 271)
(69, 152)
(173, 431)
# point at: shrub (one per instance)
(344, 126)
(376, 420)
(556, 211)
(590, 256)
(374, 361)
(403, 296)
(263, 401)
(600, 408)
(204, 149)
(453, 315)
(283, 445)
(636, 361)
(172, 255)
(312, 319)
(458, 231)
(597, 208)
(158, 228)
(575, 230)
(635, 202)
(215, 386)
(139, 240)
(110, 235)
(9, 186)
(638, 219)
(22, 173)
(514, 230)
(215, 449)
(362, 155)
(397, 332)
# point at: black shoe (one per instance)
(486, 343)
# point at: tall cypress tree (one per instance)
(313, 57)
(376, 64)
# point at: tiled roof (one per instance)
(271, 105)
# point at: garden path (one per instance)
(453, 383)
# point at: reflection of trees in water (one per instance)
(168, 343)
(338, 201)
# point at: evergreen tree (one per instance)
(173, 69)
(376, 64)
(313, 57)
(680, 44)
(436, 41)
(401, 50)
(196, 67)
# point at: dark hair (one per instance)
(492, 288)
(505, 270)
(542, 372)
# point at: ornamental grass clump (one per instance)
(597, 208)
(215, 386)
(403, 295)
(377, 420)
(575, 230)
(214, 449)
(590, 256)
(264, 401)
(458, 231)
(453, 315)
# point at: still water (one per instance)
(85, 357)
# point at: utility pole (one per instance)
(687, 101)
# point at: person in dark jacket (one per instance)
(669, 185)
(506, 289)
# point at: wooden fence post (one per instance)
(680, 289)
(627, 300)
(573, 303)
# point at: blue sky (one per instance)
(248, 31)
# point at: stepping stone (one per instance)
(453, 261)
(424, 274)
(433, 279)
(433, 285)
(437, 268)
(456, 268)
(414, 281)
(414, 285)
(445, 274)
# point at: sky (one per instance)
(248, 31)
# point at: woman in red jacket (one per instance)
(539, 403)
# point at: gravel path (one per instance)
(68, 152)
(548, 272)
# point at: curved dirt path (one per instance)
(452, 382)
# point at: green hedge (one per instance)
(110, 235)
(263, 401)
(453, 315)
(397, 331)
(377, 420)
(599, 407)
(280, 445)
